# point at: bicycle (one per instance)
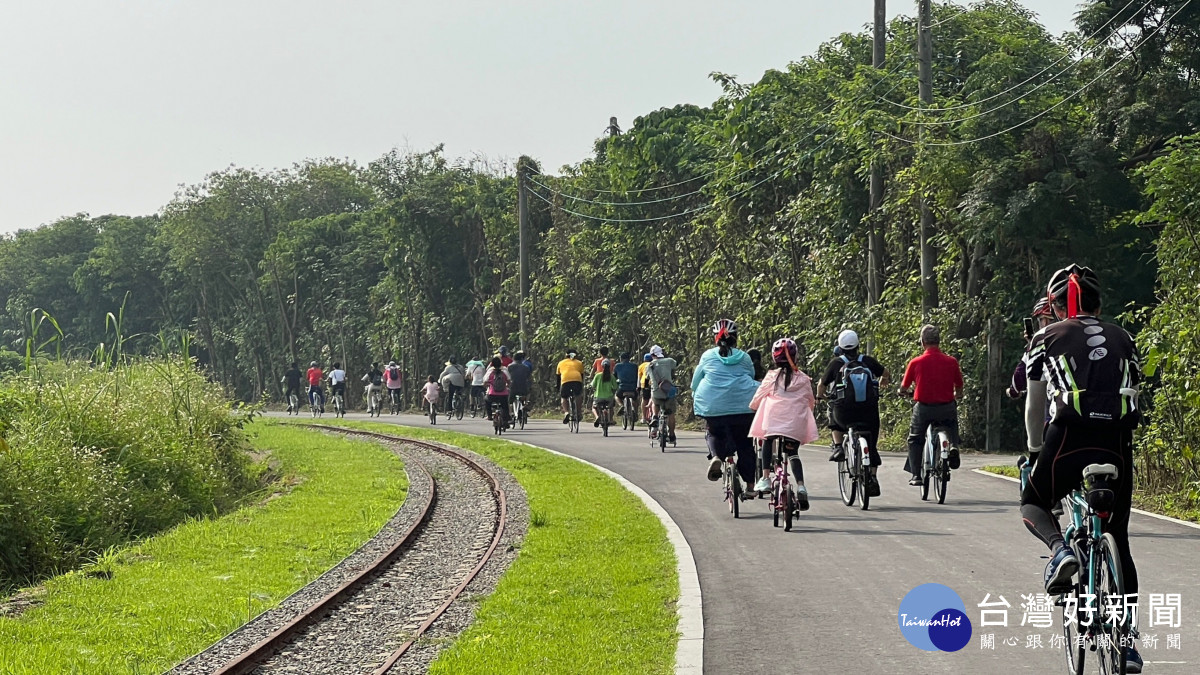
(605, 411)
(374, 402)
(628, 413)
(854, 469)
(935, 462)
(317, 409)
(339, 405)
(394, 395)
(432, 407)
(783, 494)
(734, 494)
(499, 418)
(1099, 577)
(519, 412)
(477, 402)
(293, 404)
(575, 417)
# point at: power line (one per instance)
(1017, 86)
(1047, 111)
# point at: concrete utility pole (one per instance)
(929, 285)
(523, 234)
(875, 234)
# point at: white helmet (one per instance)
(848, 339)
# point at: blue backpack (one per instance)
(858, 382)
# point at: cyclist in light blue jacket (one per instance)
(722, 388)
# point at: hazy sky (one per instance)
(107, 106)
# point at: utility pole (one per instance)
(523, 234)
(875, 233)
(929, 285)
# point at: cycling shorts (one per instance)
(668, 406)
(478, 390)
(339, 388)
(569, 389)
(628, 394)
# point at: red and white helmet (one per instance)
(785, 352)
(723, 329)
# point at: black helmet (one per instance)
(1084, 279)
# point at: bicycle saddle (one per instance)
(1100, 471)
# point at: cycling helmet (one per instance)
(848, 340)
(503, 350)
(725, 328)
(313, 364)
(785, 352)
(1042, 308)
(1070, 285)
(647, 356)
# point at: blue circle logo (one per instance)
(932, 617)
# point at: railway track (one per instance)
(377, 616)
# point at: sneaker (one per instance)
(596, 424)
(915, 481)
(671, 438)
(1062, 566)
(714, 470)
(1133, 660)
(763, 485)
(872, 487)
(839, 454)
(953, 460)
(802, 497)
(566, 418)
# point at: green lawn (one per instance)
(594, 587)
(174, 594)
(1004, 470)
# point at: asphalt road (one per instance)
(826, 595)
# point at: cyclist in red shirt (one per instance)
(935, 382)
(315, 393)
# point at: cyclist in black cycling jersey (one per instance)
(1088, 370)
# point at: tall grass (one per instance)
(96, 453)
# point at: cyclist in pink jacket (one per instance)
(783, 406)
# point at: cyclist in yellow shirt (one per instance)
(570, 381)
(644, 385)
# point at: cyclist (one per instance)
(291, 380)
(627, 380)
(1044, 316)
(431, 392)
(520, 374)
(661, 373)
(497, 378)
(722, 387)
(604, 383)
(393, 380)
(783, 406)
(475, 372)
(505, 359)
(935, 382)
(599, 360)
(644, 385)
(315, 377)
(570, 381)
(453, 379)
(1088, 371)
(337, 381)
(855, 380)
(760, 371)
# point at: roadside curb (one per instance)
(689, 651)
(1157, 516)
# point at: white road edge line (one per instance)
(1158, 516)
(689, 651)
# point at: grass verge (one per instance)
(144, 608)
(1178, 506)
(594, 588)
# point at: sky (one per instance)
(108, 107)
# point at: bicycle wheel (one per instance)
(737, 491)
(787, 507)
(941, 481)
(1072, 643)
(1110, 583)
(460, 406)
(845, 483)
(776, 501)
(860, 471)
(662, 435)
(604, 422)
